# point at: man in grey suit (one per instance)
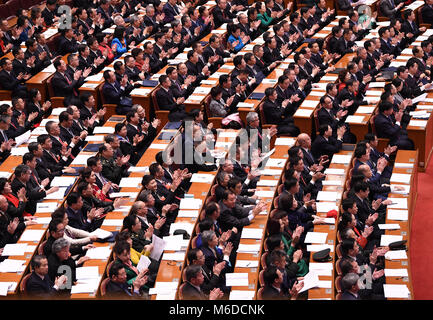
(389, 9)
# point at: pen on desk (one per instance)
(248, 264)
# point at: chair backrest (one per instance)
(338, 251)
(212, 190)
(109, 267)
(263, 260)
(338, 284)
(272, 214)
(104, 286)
(207, 105)
(262, 114)
(338, 296)
(194, 242)
(260, 293)
(24, 283)
(372, 126)
(180, 292)
(338, 267)
(41, 247)
(261, 278)
(280, 188)
(276, 201)
(316, 117)
(154, 100)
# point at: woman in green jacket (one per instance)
(263, 16)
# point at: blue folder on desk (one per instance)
(77, 171)
(150, 83)
(92, 147)
(173, 125)
(256, 96)
(166, 135)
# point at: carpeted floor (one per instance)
(421, 241)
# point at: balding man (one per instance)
(139, 208)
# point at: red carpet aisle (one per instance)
(421, 252)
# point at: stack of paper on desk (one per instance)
(6, 287)
(112, 222)
(316, 237)
(237, 279)
(101, 234)
(396, 255)
(248, 248)
(46, 207)
(242, 295)
(202, 177)
(396, 273)
(190, 204)
(15, 249)
(326, 206)
(99, 253)
(399, 215)
(189, 227)
(386, 239)
(328, 196)
(335, 171)
(398, 203)
(32, 235)
(311, 280)
(251, 233)
(400, 178)
(62, 181)
(130, 182)
(58, 195)
(12, 265)
(247, 263)
(321, 269)
(341, 158)
(396, 291)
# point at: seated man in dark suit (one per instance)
(279, 115)
(349, 286)
(325, 144)
(39, 284)
(166, 100)
(389, 9)
(10, 81)
(66, 134)
(68, 42)
(65, 86)
(88, 114)
(194, 279)
(409, 26)
(427, 11)
(88, 221)
(117, 93)
(387, 127)
(118, 287)
(272, 290)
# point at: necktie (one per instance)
(5, 137)
(53, 156)
(69, 82)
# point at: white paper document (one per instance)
(173, 243)
(400, 178)
(341, 158)
(403, 165)
(43, 207)
(99, 253)
(316, 237)
(264, 194)
(21, 139)
(159, 146)
(81, 159)
(58, 195)
(386, 239)
(242, 295)
(326, 206)
(311, 280)
(398, 215)
(270, 172)
(267, 183)
(143, 263)
(327, 284)
(103, 130)
(303, 112)
(332, 182)
(190, 204)
(278, 163)
(130, 182)
(112, 222)
(138, 169)
(398, 203)
(252, 233)
(319, 247)
(396, 273)
(247, 263)
(62, 181)
(6, 287)
(236, 279)
(15, 249)
(366, 110)
(396, 291)
(176, 256)
(389, 226)
(87, 273)
(248, 248)
(92, 138)
(202, 178)
(101, 234)
(158, 247)
(396, 255)
(327, 196)
(12, 265)
(32, 235)
(418, 123)
(282, 141)
(400, 186)
(124, 195)
(335, 171)
(355, 119)
(310, 103)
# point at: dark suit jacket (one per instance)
(190, 292)
(64, 88)
(36, 286)
(322, 147)
(427, 13)
(67, 46)
(228, 218)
